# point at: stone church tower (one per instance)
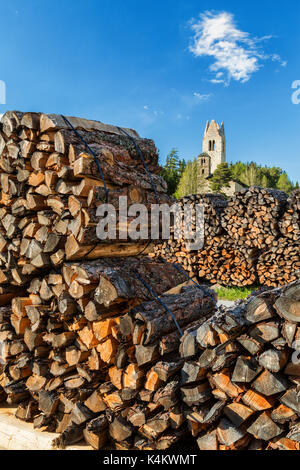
(213, 153)
(213, 148)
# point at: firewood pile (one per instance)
(290, 222)
(252, 216)
(252, 238)
(273, 229)
(100, 342)
(222, 262)
(276, 264)
(86, 351)
(176, 249)
(280, 264)
(242, 374)
(89, 354)
(51, 188)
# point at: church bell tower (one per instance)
(214, 145)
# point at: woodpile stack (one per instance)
(290, 222)
(253, 237)
(99, 341)
(281, 262)
(231, 382)
(176, 249)
(241, 374)
(223, 263)
(89, 354)
(252, 216)
(85, 350)
(51, 188)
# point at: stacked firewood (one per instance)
(222, 262)
(251, 238)
(69, 358)
(186, 222)
(89, 353)
(51, 188)
(251, 226)
(252, 216)
(241, 375)
(281, 262)
(87, 349)
(290, 222)
(213, 207)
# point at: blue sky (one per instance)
(162, 67)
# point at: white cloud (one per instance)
(234, 52)
(277, 58)
(180, 117)
(150, 115)
(190, 99)
(215, 80)
(201, 97)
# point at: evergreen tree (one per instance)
(221, 178)
(188, 181)
(251, 174)
(181, 167)
(274, 175)
(284, 183)
(181, 177)
(265, 181)
(237, 170)
(173, 170)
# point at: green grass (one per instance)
(234, 293)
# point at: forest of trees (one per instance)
(173, 170)
(251, 174)
(181, 176)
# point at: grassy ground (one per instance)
(234, 293)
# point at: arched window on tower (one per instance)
(214, 145)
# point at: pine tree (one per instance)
(252, 174)
(173, 170)
(221, 178)
(265, 182)
(181, 167)
(188, 181)
(284, 183)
